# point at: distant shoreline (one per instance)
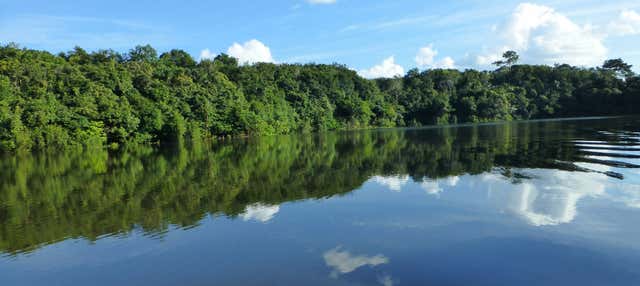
(471, 124)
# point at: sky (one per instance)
(374, 37)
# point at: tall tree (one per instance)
(509, 58)
(619, 67)
(143, 54)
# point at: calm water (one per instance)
(537, 203)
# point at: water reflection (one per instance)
(260, 212)
(538, 171)
(546, 197)
(343, 262)
(386, 280)
(394, 183)
(550, 198)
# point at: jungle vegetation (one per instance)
(105, 98)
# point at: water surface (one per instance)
(528, 203)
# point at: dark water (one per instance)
(537, 203)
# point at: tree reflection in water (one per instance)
(49, 197)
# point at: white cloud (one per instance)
(388, 68)
(627, 23)
(344, 262)
(394, 183)
(206, 54)
(488, 59)
(426, 57)
(446, 63)
(544, 36)
(260, 212)
(251, 52)
(321, 1)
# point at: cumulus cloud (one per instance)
(251, 52)
(260, 212)
(206, 54)
(446, 63)
(488, 59)
(343, 262)
(388, 68)
(426, 58)
(627, 23)
(544, 36)
(321, 1)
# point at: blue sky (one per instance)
(377, 38)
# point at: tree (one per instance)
(179, 58)
(143, 54)
(619, 67)
(509, 58)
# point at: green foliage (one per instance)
(619, 67)
(143, 54)
(93, 135)
(103, 98)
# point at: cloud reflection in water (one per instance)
(394, 183)
(544, 197)
(549, 198)
(342, 261)
(260, 212)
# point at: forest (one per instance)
(105, 98)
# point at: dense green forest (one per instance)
(51, 196)
(105, 98)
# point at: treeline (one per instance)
(105, 98)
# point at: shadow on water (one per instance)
(50, 197)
